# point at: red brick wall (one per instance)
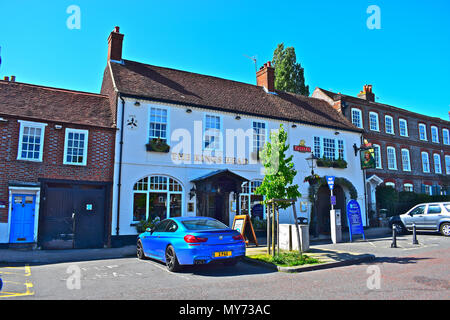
(100, 157)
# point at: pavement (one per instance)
(329, 256)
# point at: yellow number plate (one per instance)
(222, 254)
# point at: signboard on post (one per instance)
(330, 181)
(354, 219)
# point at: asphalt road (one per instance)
(408, 272)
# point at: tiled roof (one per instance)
(356, 100)
(186, 88)
(52, 104)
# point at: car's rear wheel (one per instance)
(171, 260)
(140, 250)
(445, 229)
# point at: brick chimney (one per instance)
(265, 77)
(367, 94)
(115, 41)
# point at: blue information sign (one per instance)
(354, 219)
(333, 200)
(330, 181)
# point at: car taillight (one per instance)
(239, 237)
(193, 239)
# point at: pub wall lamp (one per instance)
(188, 110)
(192, 193)
(137, 103)
(238, 118)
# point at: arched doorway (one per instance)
(323, 207)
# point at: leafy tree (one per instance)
(279, 172)
(289, 75)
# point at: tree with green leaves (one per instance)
(289, 75)
(279, 171)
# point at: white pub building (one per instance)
(187, 144)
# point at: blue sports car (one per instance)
(191, 240)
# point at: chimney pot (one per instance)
(13, 78)
(6, 78)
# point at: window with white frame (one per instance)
(159, 124)
(434, 134)
(425, 162)
(357, 117)
(390, 184)
(157, 197)
(408, 187)
(428, 189)
(422, 131)
(377, 156)
(249, 201)
(329, 148)
(213, 133)
(437, 163)
(391, 158)
(259, 135)
(31, 141)
(75, 147)
(389, 124)
(445, 137)
(406, 162)
(447, 164)
(403, 127)
(374, 124)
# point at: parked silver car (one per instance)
(426, 216)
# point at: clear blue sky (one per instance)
(407, 61)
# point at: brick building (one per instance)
(412, 150)
(56, 167)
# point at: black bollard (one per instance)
(414, 235)
(394, 236)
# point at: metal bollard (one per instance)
(394, 237)
(415, 235)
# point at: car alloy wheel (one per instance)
(445, 229)
(171, 259)
(140, 250)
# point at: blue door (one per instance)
(22, 218)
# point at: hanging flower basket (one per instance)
(157, 145)
(312, 179)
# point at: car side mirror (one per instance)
(149, 230)
(411, 214)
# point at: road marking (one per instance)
(155, 264)
(25, 271)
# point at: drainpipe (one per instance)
(119, 182)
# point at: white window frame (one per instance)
(36, 125)
(445, 137)
(167, 123)
(428, 189)
(361, 126)
(321, 141)
(437, 156)
(85, 150)
(447, 164)
(407, 160)
(266, 134)
(409, 185)
(392, 124)
(428, 161)
(390, 184)
(378, 165)
(395, 158)
(434, 134)
(424, 126)
(400, 121)
(377, 121)
(220, 132)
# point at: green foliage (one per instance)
(399, 202)
(144, 224)
(279, 170)
(286, 259)
(289, 75)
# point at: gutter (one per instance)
(119, 182)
